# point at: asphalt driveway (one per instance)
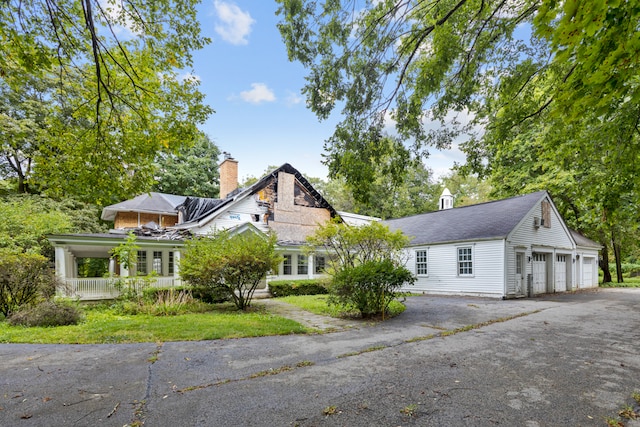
(569, 360)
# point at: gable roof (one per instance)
(484, 221)
(156, 203)
(204, 215)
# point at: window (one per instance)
(157, 262)
(303, 267)
(141, 266)
(421, 263)
(546, 214)
(465, 261)
(286, 265)
(171, 264)
(320, 264)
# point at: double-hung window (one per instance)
(157, 262)
(465, 261)
(421, 262)
(286, 265)
(303, 266)
(320, 264)
(141, 265)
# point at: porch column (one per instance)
(312, 268)
(61, 262)
(112, 266)
(176, 267)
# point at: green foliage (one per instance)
(25, 279)
(367, 266)
(47, 314)
(192, 171)
(284, 288)
(417, 193)
(127, 253)
(28, 219)
(232, 263)
(369, 287)
(109, 103)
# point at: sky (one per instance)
(261, 117)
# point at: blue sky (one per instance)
(261, 117)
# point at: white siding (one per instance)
(238, 214)
(528, 238)
(443, 278)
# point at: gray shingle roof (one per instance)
(148, 203)
(491, 220)
(583, 240)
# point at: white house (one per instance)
(283, 201)
(508, 248)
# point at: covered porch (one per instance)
(157, 264)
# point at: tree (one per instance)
(192, 171)
(28, 219)
(503, 65)
(366, 265)
(232, 263)
(116, 101)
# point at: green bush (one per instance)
(211, 294)
(48, 313)
(285, 288)
(369, 287)
(25, 279)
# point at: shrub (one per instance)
(284, 288)
(211, 294)
(369, 287)
(25, 279)
(48, 313)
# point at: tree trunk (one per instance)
(604, 263)
(616, 253)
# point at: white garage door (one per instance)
(587, 272)
(561, 273)
(539, 273)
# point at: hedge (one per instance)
(284, 288)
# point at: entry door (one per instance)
(539, 267)
(520, 290)
(561, 273)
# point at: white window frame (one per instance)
(287, 262)
(470, 268)
(422, 262)
(302, 264)
(319, 267)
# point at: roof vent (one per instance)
(446, 200)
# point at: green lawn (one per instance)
(318, 304)
(105, 326)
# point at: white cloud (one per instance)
(234, 25)
(293, 99)
(258, 94)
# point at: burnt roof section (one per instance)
(491, 220)
(205, 210)
(195, 208)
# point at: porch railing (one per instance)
(97, 288)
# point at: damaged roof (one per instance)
(491, 220)
(155, 203)
(196, 211)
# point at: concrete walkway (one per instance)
(306, 318)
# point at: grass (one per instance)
(102, 325)
(629, 282)
(318, 304)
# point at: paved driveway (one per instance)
(563, 360)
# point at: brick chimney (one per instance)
(228, 175)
